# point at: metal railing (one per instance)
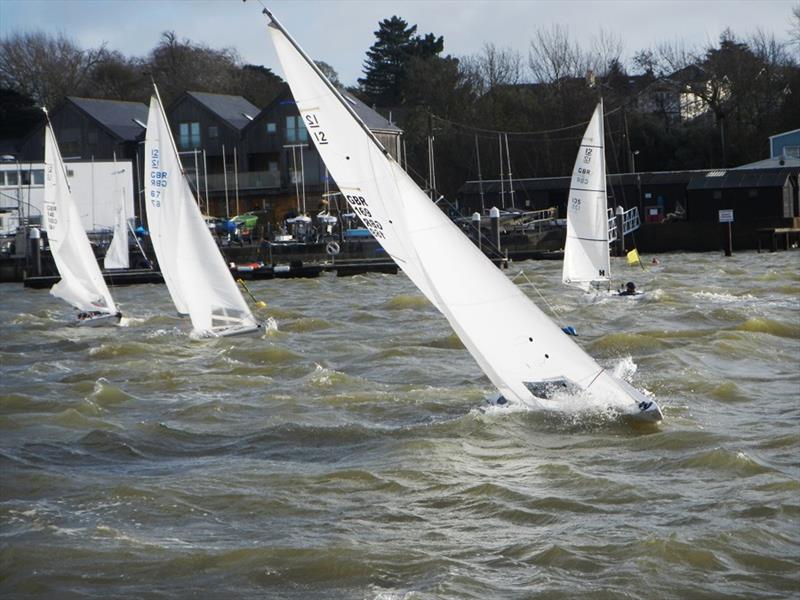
(612, 226)
(630, 220)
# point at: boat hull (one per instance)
(102, 320)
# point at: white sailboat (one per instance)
(587, 263)
(82, 283)
(196, 275)
(524, 354)
(117, 256)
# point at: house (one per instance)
(258, 160)
(90, 128)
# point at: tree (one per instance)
(177, 66)
(46, 68)
(387, 60)
(259, 84)
(116, 77)
(329, 72)
(18, 113)
(494, 67)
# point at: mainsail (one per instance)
(197, 278)
(586, 257)
(82, 283)
(117, 256)
(525, 355)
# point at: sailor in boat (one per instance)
(630, 289)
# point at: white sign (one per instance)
(726, 215)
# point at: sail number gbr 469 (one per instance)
(356, 200)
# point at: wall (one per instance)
(96, 187)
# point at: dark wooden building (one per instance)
(90, 128)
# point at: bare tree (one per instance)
(606, 50)
(493, 67)
(794, 27)
(552, 56)
(46, 68)
(329, 72)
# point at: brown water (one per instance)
(349, 454)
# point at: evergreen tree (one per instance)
(386, 66)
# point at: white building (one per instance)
(97, 187)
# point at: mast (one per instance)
(480, 178)
(510, 180)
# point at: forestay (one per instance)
(586, 256)
(517, 346)
(82, 283)
(117, 256)
(196, 275)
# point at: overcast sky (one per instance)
(340, 32)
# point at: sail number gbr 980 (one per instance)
(158, 178)
(361, 207)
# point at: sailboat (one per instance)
(196, 275)
(524, 354)
(81, 283)
(587, 262)
(117, 256)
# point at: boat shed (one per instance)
(753, 194)
(656, 193)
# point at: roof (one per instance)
(372, 119)
(117, 116)
(741, 178)
(778, 161)
(235, 110)
(784, 134)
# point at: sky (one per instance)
(340, 32)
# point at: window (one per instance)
(11, 178)
(189, 135)
(271, 128)
(38, 176)
(2, 178)
(213, 132)
(91, 137)
(273, 166)
(295, 130)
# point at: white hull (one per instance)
(647, 411)
(231, 331)
(99, 320)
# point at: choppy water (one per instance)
(346, 455)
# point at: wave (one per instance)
(407, 302)
(770, 326)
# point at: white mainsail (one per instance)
(117, 256)
(82, 283)
(525, 355)
(196, 275)
(586, 257)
